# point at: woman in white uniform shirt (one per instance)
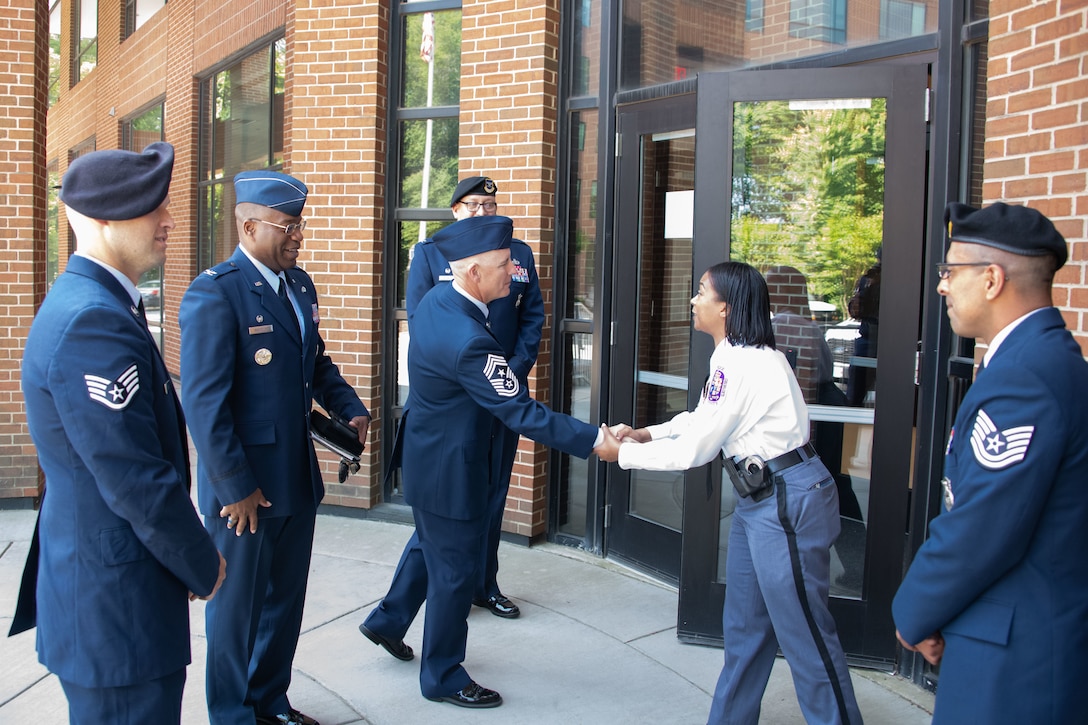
(787, 515)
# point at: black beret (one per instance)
(474, 235)
(1016, 229)
(272, 189)
(473, 185)
(116, 185)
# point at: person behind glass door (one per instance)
(753, 414)
(998, 593)
(802, 341)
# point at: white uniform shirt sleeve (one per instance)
(758, 410)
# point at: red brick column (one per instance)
(24, 74)
(1036, 148)
(509, 98)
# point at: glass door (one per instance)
(651, 320)
(816, 177)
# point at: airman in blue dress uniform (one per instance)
(517, 321)
(121, 549)
(463, 393)
(998, 593)
(252, 362)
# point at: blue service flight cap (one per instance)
(473, 185)
(475, 235)
(272, 189)
(115, 185)
(1016, 229)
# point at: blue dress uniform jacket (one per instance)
(516, 320)
(460, 386)
(249, 376)
(1004, 573)
(249, 379)
(120, 543)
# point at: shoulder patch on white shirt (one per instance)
(497, 371)
(996, 449)
(715, 386)
(115, 394)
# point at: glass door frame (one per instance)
(865, 625)
(639, 542)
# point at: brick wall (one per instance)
(337, 139)
(1036, 146)
(509, 97)
(23, 74)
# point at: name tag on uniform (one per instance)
(260, 329)
(445, 278)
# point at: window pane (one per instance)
(52, 245)
(54, 51)
(217, 233)
(246, 117)
(432, 59)
(667, 40)
(575, 474)
(428, 172)
(586, 48)
(138, 12)
(582, 219)
(87, 33)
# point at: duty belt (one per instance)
(791, 458)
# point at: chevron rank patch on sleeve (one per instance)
(498, 373)
(115, 394)
(996, 449)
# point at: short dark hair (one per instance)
(743, 288)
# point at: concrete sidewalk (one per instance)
(596, 643)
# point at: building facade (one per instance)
(634, 143)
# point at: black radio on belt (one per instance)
(755, 477)
(751, 478)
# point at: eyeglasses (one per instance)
(944, 269)
(288, 230)
(472, 206)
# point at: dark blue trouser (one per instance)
(253, 622)
(156, 701)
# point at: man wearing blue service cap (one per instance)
(517, 322)
(119, 550)
(463, 393)
(998, 593)
(252, 363)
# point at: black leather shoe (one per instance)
(395, 647)
(500, 606)
(471, 696)
(294, 717)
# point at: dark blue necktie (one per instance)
(282, 294)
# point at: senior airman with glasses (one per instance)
(998, 593)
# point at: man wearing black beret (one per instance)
(119, 549)
(464, 390)
(998, 593)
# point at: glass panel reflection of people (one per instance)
(752, 413)
(802, 341)
(120, 549)
(998, 593)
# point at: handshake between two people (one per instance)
(609, 448)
